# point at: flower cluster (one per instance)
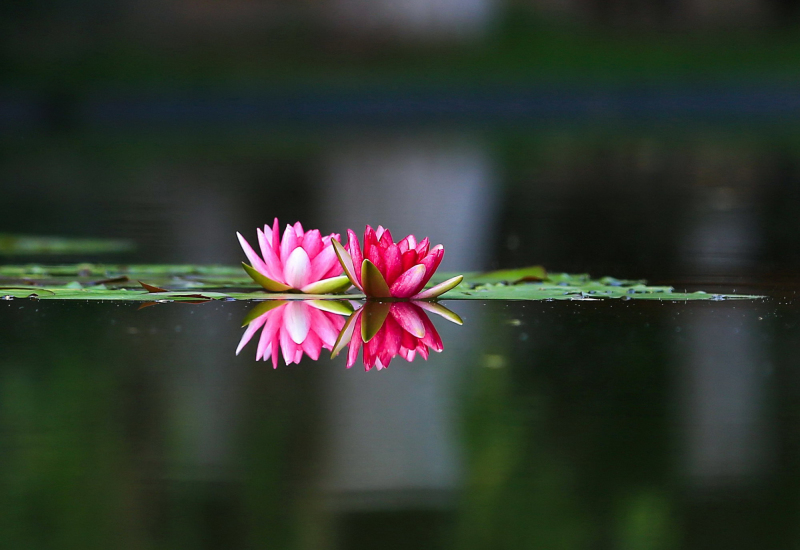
(296, 328)
(307, 262)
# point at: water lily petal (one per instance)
(346, 334)
(384, 237)
(409, 282)
(271, 328)
(409, 259)
(288, 244)
(431, 339)
(296, 321)
(264, 281)
(355, 341)
(339, 307)
(252, 328)
(393, 263)
(374, 285)
(373, 316)
(422, 247)
(438, 290)
(409, 318)
(325, 265)
(354, 250)
(346, 262)
(431, 262)
(271, 261)
(312, 243)
(297, 268)
(254, 258)
(441, 311)
(312, 346)
(334, 285)
(322, 326)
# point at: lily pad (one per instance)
(198, 283)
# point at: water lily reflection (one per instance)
(386, 330)
(294, 328)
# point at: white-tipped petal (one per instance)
(297, 269)
(296, 321)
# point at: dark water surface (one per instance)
(623, 425)
(641, 425)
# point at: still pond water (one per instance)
(558, 425)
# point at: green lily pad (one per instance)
(189, 283)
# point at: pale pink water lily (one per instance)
(300, 261)
(385, 269)
(387, 330)
(294, 328)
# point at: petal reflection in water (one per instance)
(294, 328)
(388, 329)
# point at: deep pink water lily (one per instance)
(300, 261)
(387, 330)
(294, 328)
(385, 269)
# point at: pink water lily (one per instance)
(294, 328)
(387, 330)
(300, 261)
(386, 269)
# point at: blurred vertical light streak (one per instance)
(723, 387)
(392, 435)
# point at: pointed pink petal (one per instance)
(431, 338)
(355, 343)
(252, 328)
(409, 259)
(322, 325)
(297, 269)
(431, 263)
(422, 349)
(422, 247)
(276, 237)
(385, 238)
(267, 235)
(271, 261)
(394, 336)
(312, 243)
(312, 346)
(393, 263)
(355, 254)
(325, 265)
(271, 329)
(288, 348)
(255, 259)
(297, 321)
(370, 242)
(408, 283)
(409, 317)
(288, 243)
(379, 232)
